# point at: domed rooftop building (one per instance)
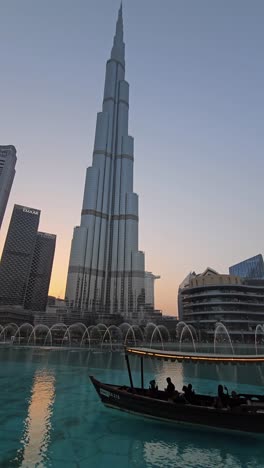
(209, 298)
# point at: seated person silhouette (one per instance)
(234, 401)
(222, 400)
(186, 394)
(170, 389)
(189, 393)
(190, 389)
(153, 388)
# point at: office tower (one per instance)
(7, 173)
(17, 254)
(106, 270)
(26, 262)
(251, 268)
(40, 272)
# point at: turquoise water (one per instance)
(50, 415)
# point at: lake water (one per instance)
(50, 415)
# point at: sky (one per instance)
(196, 75)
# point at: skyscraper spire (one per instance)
(118, 50)
(106, 269)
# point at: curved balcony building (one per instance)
(209, 298)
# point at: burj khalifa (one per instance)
(106, 269)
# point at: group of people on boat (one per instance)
(224, 400)
(188, 396)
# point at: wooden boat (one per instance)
(247, 414)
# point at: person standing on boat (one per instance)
(170, 389)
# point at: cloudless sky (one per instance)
(196, 74)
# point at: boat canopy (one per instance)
(205, 358)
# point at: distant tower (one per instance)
(40, 272)
(106, 270)
(150, 288)
(26, 262)
(7, 173)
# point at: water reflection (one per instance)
(38, 423)
(241, 378)
(156, 452)
(202, 450)
(74, 429)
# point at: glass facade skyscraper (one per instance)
(251, 268)
(40, 272)
(17, 254)
(26, 263)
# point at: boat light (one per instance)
(239, 359)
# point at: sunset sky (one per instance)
(196, 75)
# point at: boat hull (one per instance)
(118, 398)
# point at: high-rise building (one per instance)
(7, 173)
(26, 262)
(251, 268)
(40, 272)
(150, 287)
(106, 269)
(17, 254)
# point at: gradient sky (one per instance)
(196, 75)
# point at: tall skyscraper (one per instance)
(251, 268)
(17, 254)
(26, 262)
(106, 269)
(40, 272)
(7, 173)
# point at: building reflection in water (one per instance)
(204, 377)
(184, 454)
(160, 370)
(36, 436)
